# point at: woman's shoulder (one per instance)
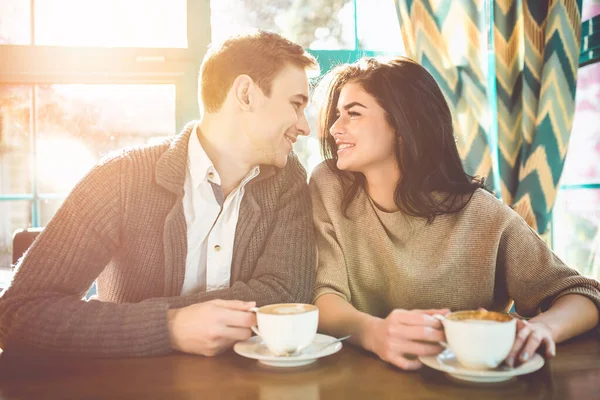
(325, 183)
(486, 203)
(323, 176)
(323, 172)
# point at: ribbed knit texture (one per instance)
(124, 224)
(483, 256)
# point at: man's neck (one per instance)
(218, 141)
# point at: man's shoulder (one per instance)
(294, 168)
(146, 152)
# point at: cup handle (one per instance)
(442, 319)
(254, 328)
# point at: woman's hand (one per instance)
(530, 336)
(405, 335)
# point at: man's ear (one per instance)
(242, 90)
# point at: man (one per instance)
(183, 237)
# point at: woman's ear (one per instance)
(399, 141)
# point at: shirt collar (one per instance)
(202, 169)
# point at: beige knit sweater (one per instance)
(483, 256)
(124, 224)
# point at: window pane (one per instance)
(314, 24)
(589, 9)
(15, 22)
(15, 142)
(581, 164)
(111, 23)
(378, 27)
(47, 210)
(13, 215)
(308, 149)
(576, 234)
(78, 124)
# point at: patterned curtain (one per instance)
(536, 59)
(448, 38)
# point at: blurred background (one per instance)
(80, 78)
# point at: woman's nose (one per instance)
(335, 129)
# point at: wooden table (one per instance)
(349, 374)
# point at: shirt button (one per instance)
(211, 175)
(217, 247)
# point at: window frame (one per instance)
(33, 65)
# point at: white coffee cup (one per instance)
(480, 339)
(287, 328)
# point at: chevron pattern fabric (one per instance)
(448, 37)
(536, 56)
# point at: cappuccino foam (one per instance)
(481, 322)
(287, 309)
(290, 310)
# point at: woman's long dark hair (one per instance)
(427, 155)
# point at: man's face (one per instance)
(278, 119)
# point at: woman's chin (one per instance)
(342, 165)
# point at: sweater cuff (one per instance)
(590, 292)
(153, 330)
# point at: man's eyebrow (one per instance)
(303, 97)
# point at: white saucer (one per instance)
(256, 348)
(447, 362)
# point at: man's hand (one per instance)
(210, 328)
(405, 334)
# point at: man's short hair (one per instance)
(259, 54)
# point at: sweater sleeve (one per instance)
(43, 307)
(285, 269)
(535, 276)
(332, 276)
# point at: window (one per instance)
(15, 140)
(80, 78)
(111, 23)
(577, 208)
(320, 25)
(576, 214)
(87, 121)
(381, 14)
(14, 214)
(15, 22)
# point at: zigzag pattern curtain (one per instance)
(536, 56)
(448, 38)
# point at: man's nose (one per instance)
(303, 126)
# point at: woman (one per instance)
(404, 233)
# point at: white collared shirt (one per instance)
(210, 226)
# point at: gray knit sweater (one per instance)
(124, 225)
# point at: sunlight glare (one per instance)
(62, 162)
(111, 23)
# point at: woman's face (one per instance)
(365, 140)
